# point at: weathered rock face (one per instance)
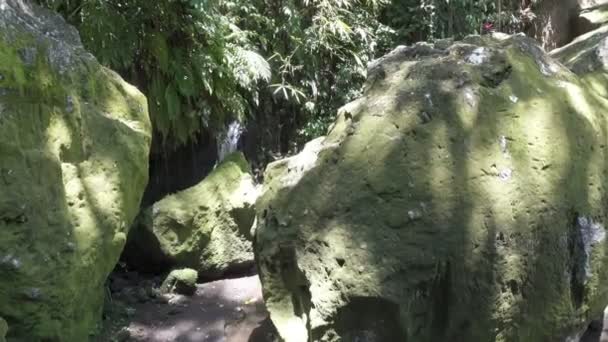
(206, 227)
(591, 19)
(74, 139)
(587, 55)
(462, 198)
(590, 4)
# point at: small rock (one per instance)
(180, 281)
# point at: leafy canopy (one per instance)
(287, 63)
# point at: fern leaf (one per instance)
(252, 67)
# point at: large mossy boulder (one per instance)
(462, 198)
(206, 227)
(74, 141)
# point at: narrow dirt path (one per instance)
(230, 310)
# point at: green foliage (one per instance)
(417, 20)
(288, 64)
(318, 50)
(193, 63)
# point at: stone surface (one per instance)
(74, 139)
(594, 18)
(587, 53)
(461, 198)
(180, 281)
(589, 19)
(590, 4)
(206, 227)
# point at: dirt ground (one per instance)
(230, 310)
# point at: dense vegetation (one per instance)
(288, 64)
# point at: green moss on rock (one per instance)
(74, 140)
(180, 281)
(461, 198)
(206, 227)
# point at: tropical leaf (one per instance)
(251, 67)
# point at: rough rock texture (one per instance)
(586, 54)
(462, 198)
(590, 4)
(180, 281)
(74, 139)
(591, 19)
(206, 227)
